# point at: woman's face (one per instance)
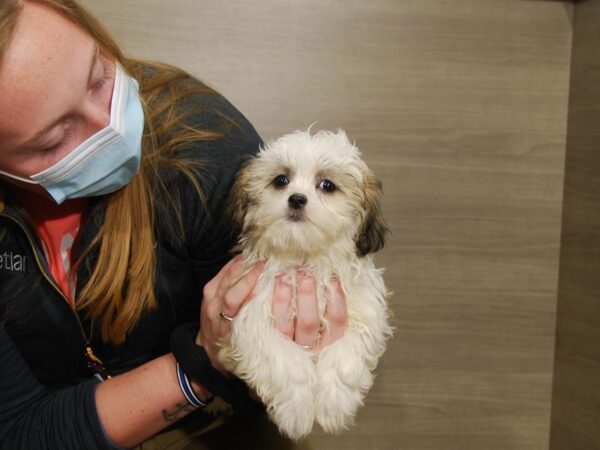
(55, 91)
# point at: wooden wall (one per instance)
(576, 395)
(460, 106)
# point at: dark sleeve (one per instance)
(209, 231)
(33, 417)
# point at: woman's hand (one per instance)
(228, 291)
(305, 328)
(224, 295)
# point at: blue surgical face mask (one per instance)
(107, 160)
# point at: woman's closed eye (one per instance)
(104, 74)
(59, 142)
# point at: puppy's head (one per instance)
(305, 195)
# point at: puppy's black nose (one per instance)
(297, 201)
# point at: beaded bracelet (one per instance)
(188, 391)
(195, 362)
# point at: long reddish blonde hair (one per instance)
(121, 285)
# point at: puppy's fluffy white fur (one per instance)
(330, 235)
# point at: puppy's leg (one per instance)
(344, 368)
(282, 374)
(343, 379)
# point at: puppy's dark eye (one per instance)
(327, 186)
(280, 181)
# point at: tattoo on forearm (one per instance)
(181, 409)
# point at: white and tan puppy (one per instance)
(309, 202)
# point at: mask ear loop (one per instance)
(17, 178)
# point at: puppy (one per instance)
(309, 202)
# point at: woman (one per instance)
(113, 242)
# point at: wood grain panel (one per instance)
(460, 106)
(576, 393)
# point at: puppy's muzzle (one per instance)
(297, 201)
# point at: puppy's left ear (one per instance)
(237, 203)
(373, 228)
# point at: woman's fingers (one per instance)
(283, 309)
(237, 289)
(295, 316)
(336, 314)
(307, 314)
(211, 288)
(224, 295)
(304, 327)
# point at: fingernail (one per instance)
(303, 273)
(306, 284)
(258, 267)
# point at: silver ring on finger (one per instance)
(225, 317)
(313, 345)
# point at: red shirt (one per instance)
(57, 226)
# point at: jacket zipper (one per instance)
(91, 357)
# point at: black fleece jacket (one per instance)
(46, 390)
